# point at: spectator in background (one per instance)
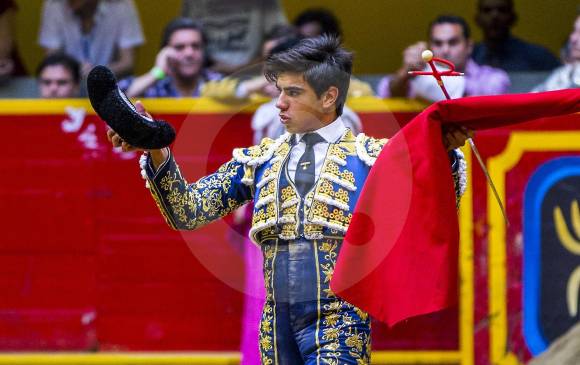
(235, 29)
(235, 90)
(277, 35)
(280, 34)
(58, 76)
(565, 52)
(317, 21)
(180, 66)
(449, 38)
(567, 76)
(10, 64)
(500, 48)
(95, 32)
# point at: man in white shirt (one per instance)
(235, 29)
(95, 32)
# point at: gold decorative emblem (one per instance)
(572, 244)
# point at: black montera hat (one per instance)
(113, 106)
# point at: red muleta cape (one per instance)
(399, 256)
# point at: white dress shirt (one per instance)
(331, 134)
(117, 26)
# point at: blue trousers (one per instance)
(303, 322)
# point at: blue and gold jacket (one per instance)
(300, 238)
(256, 173)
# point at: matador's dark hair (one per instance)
(322, 61)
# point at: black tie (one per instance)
(305, 171)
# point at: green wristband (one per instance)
(158, 73)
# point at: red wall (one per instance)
(87, 262)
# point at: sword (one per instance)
(427, 56)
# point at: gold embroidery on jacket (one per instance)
(188, 206)
(339, 318)
(289, 202)
(267, 338)
(265, 216)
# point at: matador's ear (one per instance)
(113, 106)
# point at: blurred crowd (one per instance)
(215, 49)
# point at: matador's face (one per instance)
(301, 109)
